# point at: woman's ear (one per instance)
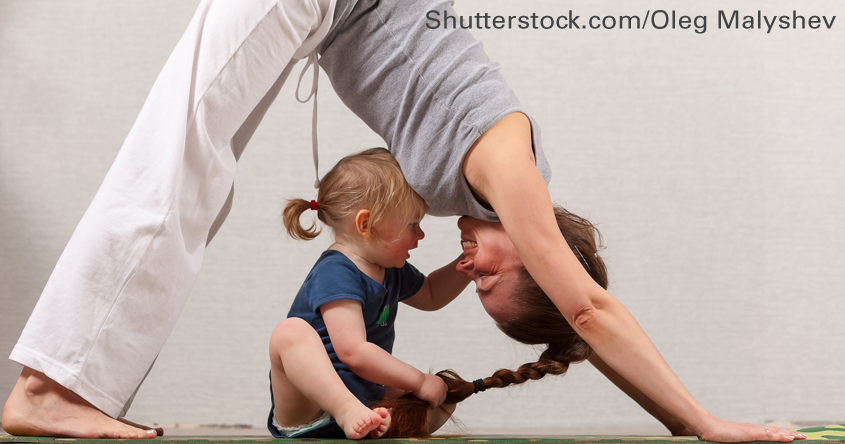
(362, 224)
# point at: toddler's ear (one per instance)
(362, 224)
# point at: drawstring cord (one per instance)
(312, 60)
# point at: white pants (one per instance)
(129, 267)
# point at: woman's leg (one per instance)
(126, 273)
(305, 384)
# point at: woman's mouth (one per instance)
(468, 245)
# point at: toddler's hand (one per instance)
(433, 390)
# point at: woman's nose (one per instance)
(467, 268)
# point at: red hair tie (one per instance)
(314, 205)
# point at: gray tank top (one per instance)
(429, 93)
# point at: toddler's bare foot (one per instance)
(38, 406)
(379, 431)
(357, 420)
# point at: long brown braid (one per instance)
(539, 322)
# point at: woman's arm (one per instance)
(675, 426)
(345, 324)
(441, 287)
(501, 170)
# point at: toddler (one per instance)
(331, 358)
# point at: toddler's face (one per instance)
(398, 237)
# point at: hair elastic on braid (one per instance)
(314, 205)
(479, 386)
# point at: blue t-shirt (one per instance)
(335, 277)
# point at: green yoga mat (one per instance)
(829, 434)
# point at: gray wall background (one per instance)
(713, 164)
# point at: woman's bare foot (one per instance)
(38, 406)
(357, 420)
(159, 431)
(379, 431)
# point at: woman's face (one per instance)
(492, 262)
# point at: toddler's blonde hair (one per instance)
(370, 180)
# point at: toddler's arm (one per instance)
(440, 287)
(345, 324)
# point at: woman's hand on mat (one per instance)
(727, 431)
(682, 431)
(432, 390)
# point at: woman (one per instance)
(461, 137)
(524, 312)
(621, 350)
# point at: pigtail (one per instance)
(553, 361)
(409, 415)
(291, 219)
(370, 180)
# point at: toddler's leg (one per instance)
(305, 383)
(126, 273)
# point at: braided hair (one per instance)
(538, 322)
